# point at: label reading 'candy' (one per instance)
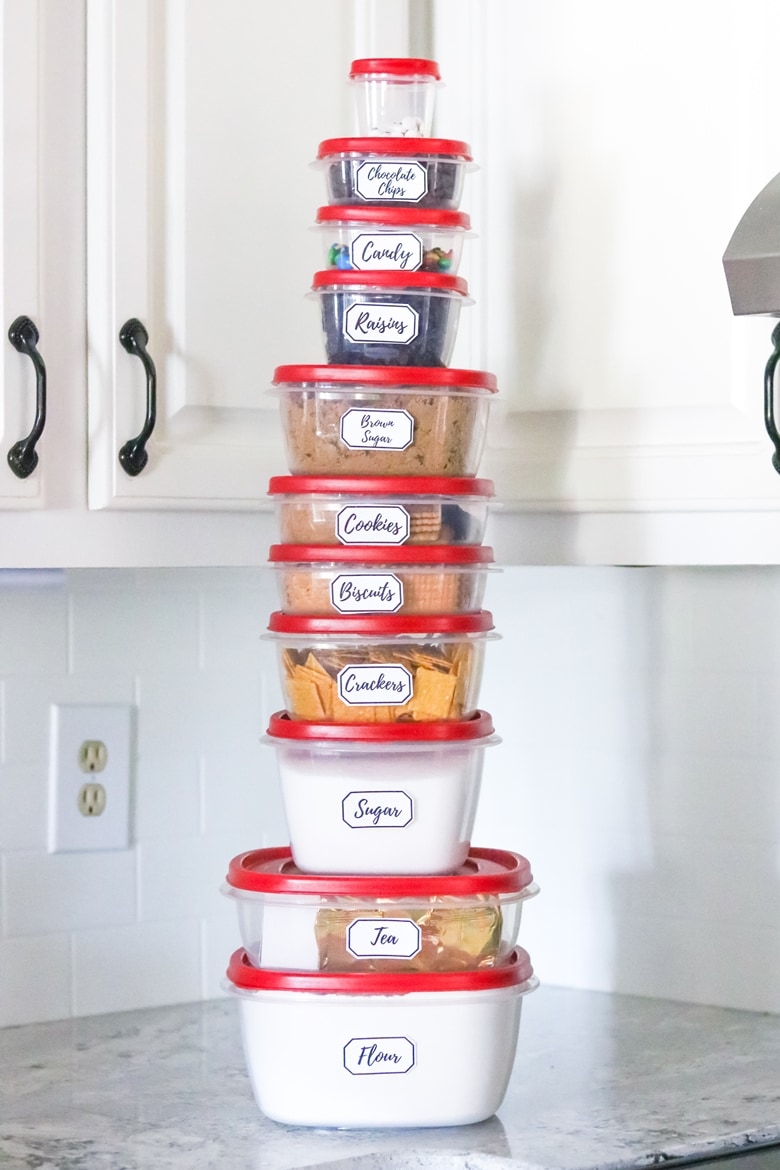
(385, 430)
(385, 685)
(378, 1054)
(366, 593)
(383, 938)
(374, 323)
(407, 181)
(367, 524)
(402, 251)
(377, 810)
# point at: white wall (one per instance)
(638, 773)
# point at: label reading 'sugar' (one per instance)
(406, 180)
(377, 810)
(385, 685)
(366, 593)
(383, 430)
(372, 323)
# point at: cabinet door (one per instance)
(203, 119)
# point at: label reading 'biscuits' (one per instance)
(366, 593)
(382, 430)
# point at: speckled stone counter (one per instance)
(600, 1081)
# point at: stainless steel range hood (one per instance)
(752, 259)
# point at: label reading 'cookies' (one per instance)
(372, 323)
(383, 938)
(383, 430)
(366, 593)
(407, 181)
(378, 1054)
(377, 810)
(401, 251)
(380, 685)
(368, 524)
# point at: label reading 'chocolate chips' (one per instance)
(406, 181)
(401, 251)
(371, 322)
(367, 524)
(381, 685)
(366, 593)
(385, 430)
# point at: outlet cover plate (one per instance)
(71, 726)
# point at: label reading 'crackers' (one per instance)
(368, 524)
(369, 686)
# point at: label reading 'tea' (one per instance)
(374, 323)
(400, 251)
(407, 181)
(366, 593)
(381, 685)
(383, 430)
(368, 524)
(383, 938)
(378, 1054)
(377, 810)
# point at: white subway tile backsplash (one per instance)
(145, 965)
(68, 891)
(23, 797)
(35, 979)
(167, 795)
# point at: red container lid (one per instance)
(485, 871)
(394, 216)
(479, 726)
(514, 972)
(395, 67)
(380, 625)
(424, 281)
(388, 147)
(390, 376)
(370, 554)
(390, 485)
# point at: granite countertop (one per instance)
(600, 1081)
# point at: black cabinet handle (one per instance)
(769, 397)
(133, 456)
(22, 457)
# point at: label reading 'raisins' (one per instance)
(378, 1054)
(377, 810)
(366, 593)
(368, 524)
(383, 938)
(405, 181)
(378, 323)
(401, 251)
(384, 430)
(377, 685)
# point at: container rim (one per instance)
(387, 146)
(395, 67)
(478, 727)
(421, 626)
(435, 217)
(378, 556)
(433, 283)
(390, 485)
(407, 377)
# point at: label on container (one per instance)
(368, 524)
(387, 685)
(384, 430)
(378, 1054)
(406, 180)
(366, 593)
(373, 323)
(383, 938)
(402, 251)
(377, 810)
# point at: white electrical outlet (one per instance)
(89, 777)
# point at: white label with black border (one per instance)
(380, 430)
(399, 251)
(366, 593)
(369, 323)
(375, 685)
(369, 524)
(391, 180)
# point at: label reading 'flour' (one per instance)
(377, 810)
(372, 323)
(379, 1054)
(368, 524)
(383, 938)
(366, 593)
(401, 251)
(384, 430)
(407, 180)
(387, 685)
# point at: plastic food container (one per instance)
(413, 579)
(341, 923)
(380, 799)
(426, 172)
(392, 238)
(395, 95)
(381, 670)
(383, 420)
(389, 318)
(385, 1050)
(380, 510)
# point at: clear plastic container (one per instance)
(384, 1050)
(413, 579)
(395, 95)
(380, 799)
(380, 510)
(426, 172)
(389, 318)
(402, 239)
(381, 669)
(359, 923)
(383, 420)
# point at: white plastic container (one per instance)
(394, 95)
(424, 172)
(400, 239)
(368, 1050)
(460, 921)
(380, 799)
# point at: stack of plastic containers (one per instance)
(380, 980)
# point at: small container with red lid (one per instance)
(389, 318)
(395, 95)
(400, 239)
(380, 1050)
(383, 420)
(380, 509)
(381, 669)
(339, 923)
(380, 798)
(425, 172)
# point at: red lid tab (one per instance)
(420, 281)
(386, 377)
(382, 625)
(370, 554)
(389, 147)
(479, 726)
(485, 871)
(515, 972)
(395, 67)
(395, 217)
(389, 485)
